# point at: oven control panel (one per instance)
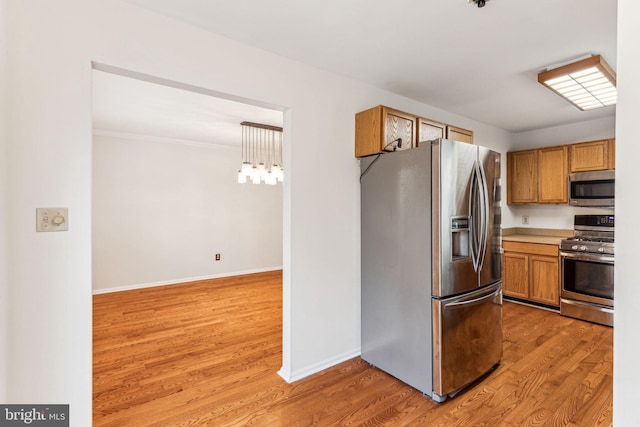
(607, 221)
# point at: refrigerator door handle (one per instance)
(484, 215)
(472, 302)
(478, 201)
(474, 226)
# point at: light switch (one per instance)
(52, 219)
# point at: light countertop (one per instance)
(535, 235)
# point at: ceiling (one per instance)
(480, 63)
(134, 106)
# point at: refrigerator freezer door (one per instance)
(453, 166)
(396, 276)
(491, 264)
(467, 334)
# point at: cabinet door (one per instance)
(544, 281)
(398, 125)
(589, 156)
(459, 134)
(522, 176)
(378, 126)
(552, 175)
(428, 130)
(515, 275)
(612, 154)
(368, 131)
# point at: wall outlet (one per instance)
(52, 219)
(525, 219)
(217, 257)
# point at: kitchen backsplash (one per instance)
(545, 216)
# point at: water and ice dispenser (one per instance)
(459, 238)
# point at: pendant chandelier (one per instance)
(261, 154)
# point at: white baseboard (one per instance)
(186, 279)
(299, 374)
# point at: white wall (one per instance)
(51, 48)
(591, 130)
(163, 208)
(556, 216)
(559, 217)
(626, 393)
(3, 201)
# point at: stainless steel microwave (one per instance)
(592, 188)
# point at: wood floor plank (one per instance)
(208, 352)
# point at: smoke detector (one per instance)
(479, 3)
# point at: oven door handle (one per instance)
(608, 259)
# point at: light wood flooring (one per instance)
(207, 353)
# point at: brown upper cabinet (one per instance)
(428, 130)
(379, 126)
(537, 176)
(540, 175)
(459, 134)
(612, 154)
(552, 174)
(522, 176)
(592, 156)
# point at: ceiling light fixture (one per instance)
(480, 3)
(589, 83)
(261, 154)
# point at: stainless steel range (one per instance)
(587, 269)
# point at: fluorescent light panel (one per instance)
(587, 84)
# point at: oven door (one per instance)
(587, 278)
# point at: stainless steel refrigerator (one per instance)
(431, 264)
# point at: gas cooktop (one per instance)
(592, 234)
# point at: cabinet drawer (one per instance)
(531, 248)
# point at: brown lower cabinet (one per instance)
(531, 272)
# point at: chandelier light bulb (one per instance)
(242, 178)
(262, 171)
(271, 179)
(246, 168)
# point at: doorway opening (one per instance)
(166, 205)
